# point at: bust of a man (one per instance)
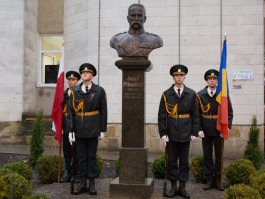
(136, 42)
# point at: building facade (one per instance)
(192, 31)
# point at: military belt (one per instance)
(210, 116)
(180, 116)
(87, 113)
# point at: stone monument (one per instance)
(133, 47)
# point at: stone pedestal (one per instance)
(133, 181)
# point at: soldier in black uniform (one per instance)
(88, 107)
(73, 77)
(211, 137)
(178, 121)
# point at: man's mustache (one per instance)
(136, 22)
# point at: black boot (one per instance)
(81, 187)
(219, 186)
(182, 190)
(173, 191)
(92, 187)
(209, 183)
(66, 176)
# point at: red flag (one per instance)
(221, 96)
(57, 108)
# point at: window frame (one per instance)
(40, 69)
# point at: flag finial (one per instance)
(225, 35)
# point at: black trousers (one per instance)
(178, 161)
(208, 143)
(87, 157)
(67, 153)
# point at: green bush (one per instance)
(15, 185)
(258, 183)
(259, 172)
(252, 151)
(158, 167)
(17, 167)
(3, 188)
(197, 169)
(239, 171)
(242, 191)
(47, 168)
(117, 167)
(36, 142)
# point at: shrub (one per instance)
(158, 167)
(47, 168)
(117, 167)
(258, 183)
(13, 185)
(242, 191)
(252, 151)
(36, 142)
(197, 169)
(239, 171)
(17, 167)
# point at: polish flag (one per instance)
(57, 108)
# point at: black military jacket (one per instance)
(208, 125)
(66, 121)
(179, 129)
(92, 101)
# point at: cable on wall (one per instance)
(179, 32)
(99, 34)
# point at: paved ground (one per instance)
(62, 190)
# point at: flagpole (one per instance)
(222, 149)
(60, 162)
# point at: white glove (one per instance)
(71, 137)
(201, 134)
(165, 139)
(101, 136)
(193, 138)
(221, 135)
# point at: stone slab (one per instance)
(120, 190)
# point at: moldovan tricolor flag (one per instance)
(222, 96)
(57, 108)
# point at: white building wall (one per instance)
(201, 30)
(90, 24)
(31, 53)
(11, 59)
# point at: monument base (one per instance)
(120, 190)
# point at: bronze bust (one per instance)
(136, 42)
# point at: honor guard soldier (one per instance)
(88, 107)
(178, 121)
(73, 77)
(211, 137)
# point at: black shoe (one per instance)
(81, 187)
(209, 183)
(92, 187)
(182, 191)
(219, 186)
(66, 176)
(173, 191)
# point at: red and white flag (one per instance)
(57, 108)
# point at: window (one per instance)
(50, 57)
